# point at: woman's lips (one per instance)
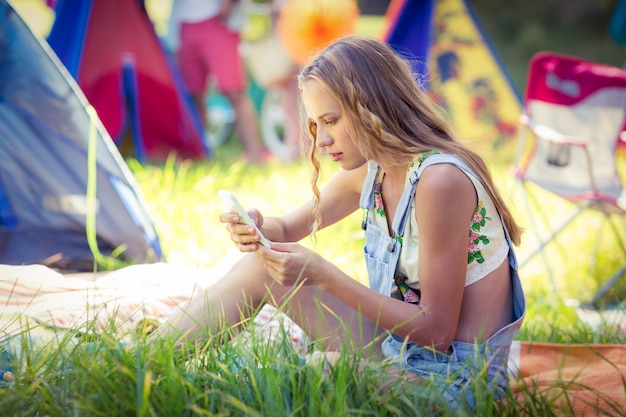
(335, 156)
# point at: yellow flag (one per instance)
(470, 84)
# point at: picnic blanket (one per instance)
(40, 294)
(589, 378)
(37, 299)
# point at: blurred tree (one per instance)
(373, 7)
(520, 28)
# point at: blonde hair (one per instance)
(389, 117)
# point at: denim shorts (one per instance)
(455, 372)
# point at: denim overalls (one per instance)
(457, 367)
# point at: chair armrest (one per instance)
(551, 135)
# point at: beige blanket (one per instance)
(39, 299)
(67, 301)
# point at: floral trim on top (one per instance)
(478, 221)
(408, 294)
(424, 156)
(379, 206)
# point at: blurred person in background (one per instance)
(289, 93)
(273, 69)
(206, 45)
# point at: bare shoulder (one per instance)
(445, 176)
(445, 201)
(446, 184)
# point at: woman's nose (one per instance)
(322, 140)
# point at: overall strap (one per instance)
(404, 206)
(512, 257)
(402, 212)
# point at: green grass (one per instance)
(100, 378)
(86, 372)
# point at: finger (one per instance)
(263, 251)
(247, 247)
(273, 272)
(277, 270)
(270, 256)
(253, 216)
(282, 246)
(256, 215)
(229, 218)
(243, 239)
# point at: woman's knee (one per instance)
(249, 274)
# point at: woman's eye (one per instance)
(329, 122)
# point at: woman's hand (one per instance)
(243, 235)
(291, 264)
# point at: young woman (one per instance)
(444, 288)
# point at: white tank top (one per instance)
(487, 245)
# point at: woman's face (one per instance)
(331, 125)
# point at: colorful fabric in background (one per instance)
(464, 73)
(112, 50)
(577, 379)
(306, 26)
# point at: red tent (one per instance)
(112, 50)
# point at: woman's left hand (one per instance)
(291, 264)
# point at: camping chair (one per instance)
(574, 118)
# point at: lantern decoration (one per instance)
(306, 26)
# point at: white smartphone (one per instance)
(232, 205)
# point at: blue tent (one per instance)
(67, 197)
(410, 31)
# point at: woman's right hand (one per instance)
(243, 235)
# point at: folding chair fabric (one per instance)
(576, 112)
(577, 109)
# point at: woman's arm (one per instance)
(445, 202)
(339, 198)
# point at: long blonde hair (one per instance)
(390, 118)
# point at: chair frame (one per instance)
(591, 199)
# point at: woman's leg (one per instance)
(238, 295)
(246, 124)
(291, 111)
(229, 302)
